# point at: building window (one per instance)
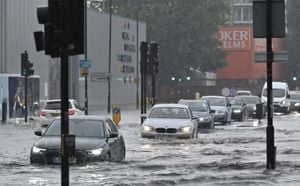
(242, 11)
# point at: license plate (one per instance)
(58, 160)
(55, 114)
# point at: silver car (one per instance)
(170, 120)
(222, 107)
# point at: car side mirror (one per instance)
(288, 96)
(113, 134)
(229, 105)
(212, 111)
(38, 132)
(194, 117)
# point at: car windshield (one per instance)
(198, 106)
(277, 93)
(54, 105)
(250, 100)
(215, 101)
(79, 128)
(169, 112)
(235, 102)
(295, 96)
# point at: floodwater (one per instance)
(233, 154)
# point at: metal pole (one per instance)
(25, 104)
(270, 128)
(64, 93)
(85, 57)
(109, 62)
(137, 60)
(64, 86)
(142, 88)
(153, 88)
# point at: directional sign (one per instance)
(282, 56)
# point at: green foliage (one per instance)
(293, 38)
(184, 29)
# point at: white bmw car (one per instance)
(170, 120)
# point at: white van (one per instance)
(281, 96)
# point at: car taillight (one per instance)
(43, 113)
(71, 112)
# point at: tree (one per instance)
(185, 30)
(293, 39)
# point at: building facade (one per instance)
(236, 38)
(18, 21)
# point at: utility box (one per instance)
(12, 89)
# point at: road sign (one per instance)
(85, 63)
(282, 56)
(225, 91)
(100, 76)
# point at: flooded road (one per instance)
(233, 154)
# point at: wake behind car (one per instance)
(52, 110)
(96, 139)
(221, 106)
(170, 120)
(202, 111)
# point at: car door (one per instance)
(116, 144)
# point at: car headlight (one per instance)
(147, 128)
(186, 129)
(96, 152)
(37, 149)
(237, 111)
(282, 103)
(297, 104)
(204, 119)
(254, 108)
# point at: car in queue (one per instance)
(202, 111)
(221, 106)
(96, 139)
(52, 109)
(239, 109)
(251, 104)
(295, 100)
(170, 120)
(243, 93)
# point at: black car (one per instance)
(96, 139)
(202, 111)
(239, 109)
(251, 102)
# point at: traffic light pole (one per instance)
(25, 104)
(86, 103)
(271, 149)
(153, 89)
(64, 88)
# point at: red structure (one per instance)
(240, 46)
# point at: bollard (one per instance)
(116, 112)
(197, 96)
(4, 110)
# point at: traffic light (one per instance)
(24, 59)
(29, 69)
(26, 65)
(144, 57)
(63, 22)
(154, 56)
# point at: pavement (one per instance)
(128, 114)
